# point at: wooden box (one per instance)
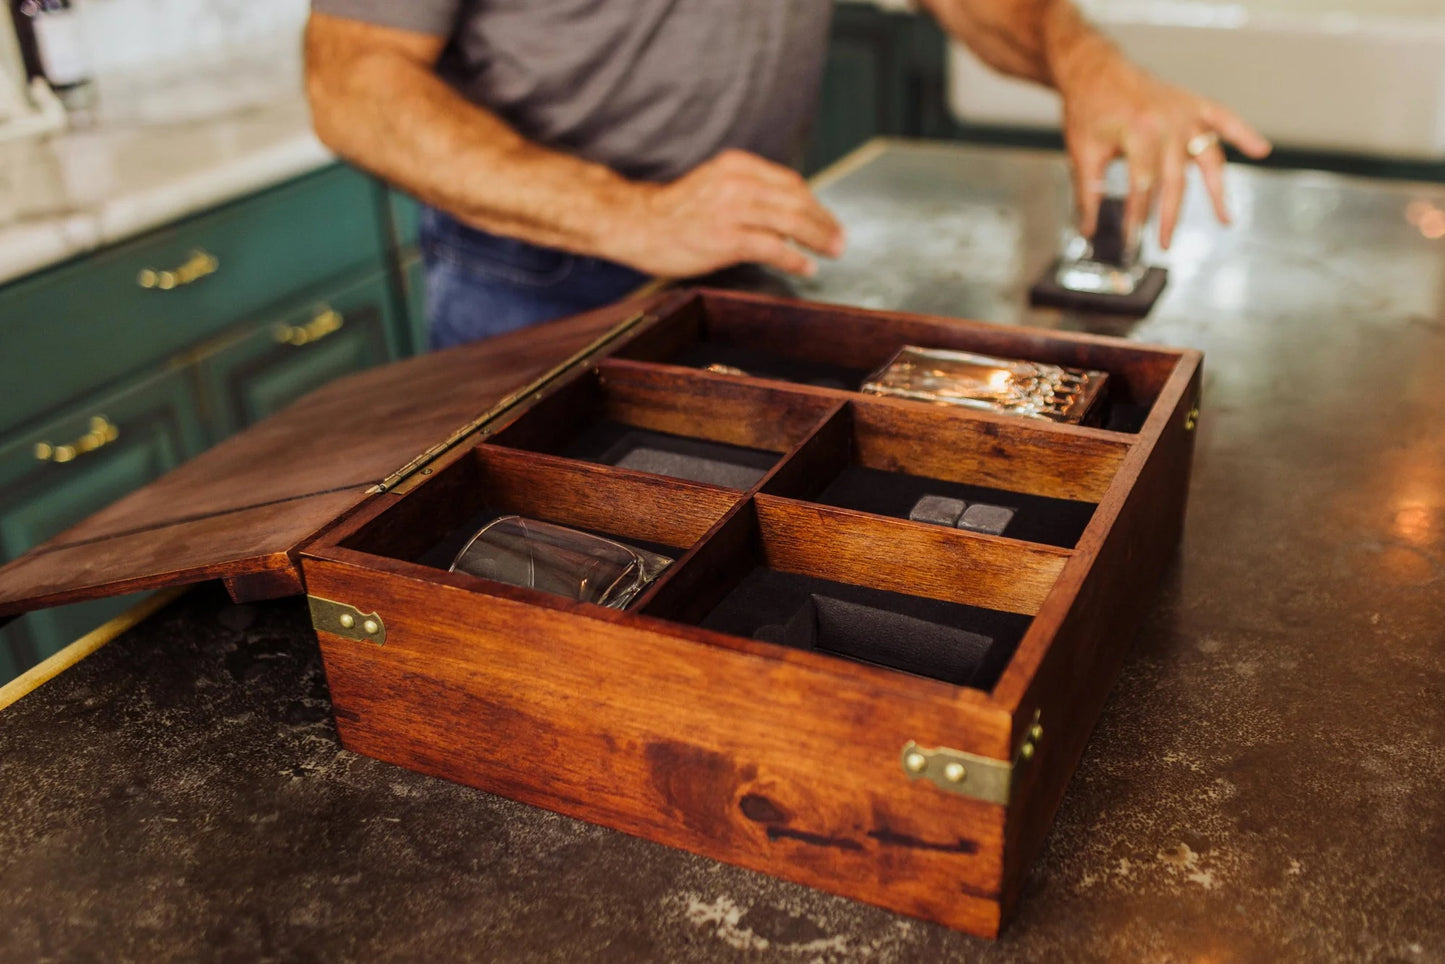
(672, 720)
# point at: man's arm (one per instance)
(376, 100)
(1111, 107)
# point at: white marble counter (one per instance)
(161, 146)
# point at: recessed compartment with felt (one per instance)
(715, 431)
(663, 516)
(817, 687)
(770, 338)
(883, 459)
(848, 584)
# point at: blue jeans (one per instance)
(479, 284)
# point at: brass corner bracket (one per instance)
(967, 774)
(338, 618)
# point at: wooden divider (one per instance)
(676, 401)
(914, 558)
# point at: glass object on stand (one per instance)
(1108, 262)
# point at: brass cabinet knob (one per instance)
(196, 267)
(102, 432)
(326, 322)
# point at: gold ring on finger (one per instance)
(1200, 143)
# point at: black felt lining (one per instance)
(697, 460)
(926, 637)
(764, 364)
(1124, 416)
(879, 636)
(1051, 522)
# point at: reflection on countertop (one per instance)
(160, 145)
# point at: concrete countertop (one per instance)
(159, 145)
(1264, 783)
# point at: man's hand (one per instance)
(1111, 107)
(1114, 109)
(734, 208)
(376, 99)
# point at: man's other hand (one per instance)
(734, 208)
(1113, 109)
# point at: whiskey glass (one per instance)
(558, 560)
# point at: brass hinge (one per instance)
(348, 621)
(532, 389)
(968, 774)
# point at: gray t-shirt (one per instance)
(650, 88)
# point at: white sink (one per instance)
(1360, 76)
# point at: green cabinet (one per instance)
(120, 365)
(885, 77)
(277, 361)
(405, 214)
(124, 308)
(64, 470)
(860, 98)
(413, 284)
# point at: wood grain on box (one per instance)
(786, 759)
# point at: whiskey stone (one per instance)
(982, 517)
(937, 509)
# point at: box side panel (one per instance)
(1097, 606)
(757, 762)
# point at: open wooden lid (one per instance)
(243, 508)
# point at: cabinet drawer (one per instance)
(277, 362)
(413, 282)
(405, 219)
(75, 465)
(86, 323)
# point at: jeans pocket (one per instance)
(443, 238)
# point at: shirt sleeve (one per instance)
(435, 17)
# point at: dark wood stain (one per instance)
(760, 809)
(815, 839)
(891, 838)
(697, 784)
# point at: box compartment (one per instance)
(432, 526)
(882, 458)
(837, 348)
(848, 585)
(715, 431)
